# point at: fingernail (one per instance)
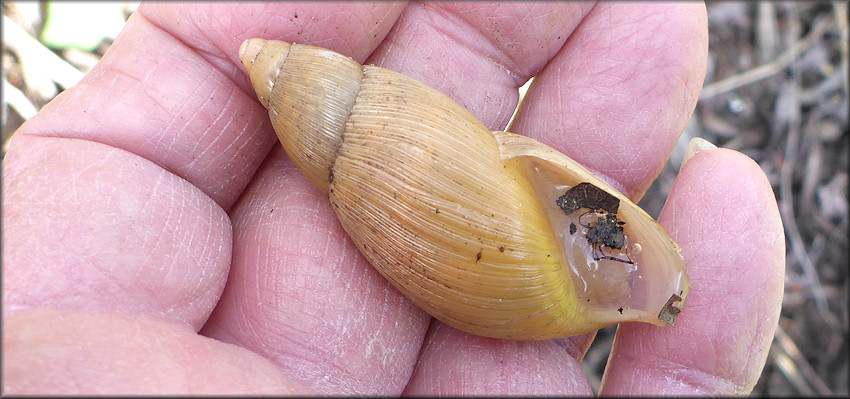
(696, 145)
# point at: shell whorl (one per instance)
(315, 89)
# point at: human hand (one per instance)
(132, 198)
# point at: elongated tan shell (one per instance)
(462, 220)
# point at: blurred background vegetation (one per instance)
(776, 89)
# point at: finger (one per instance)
(301, 294)
(723, 213)
(174, 79)
(48, 351)
(621, 90)
(90, 226)
(473, 365)
(156, 98)
(112, 188)
(115, 190)
(215, 31)
(476, 54)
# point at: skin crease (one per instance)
(151, 202)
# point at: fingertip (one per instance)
(723, 213)
(725, 194)
(727, 179)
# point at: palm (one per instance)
(152, 201)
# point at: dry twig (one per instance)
(28, 47)
(799, 371)
(786, 203)
(761, 72)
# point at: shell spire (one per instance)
(309, 93)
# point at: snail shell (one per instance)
(464, 221)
